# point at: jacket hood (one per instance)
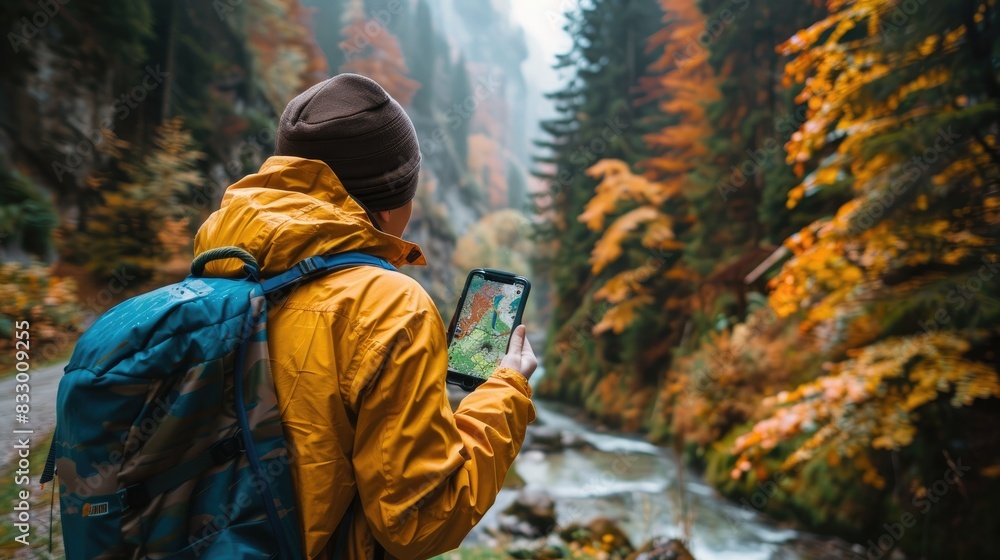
(290, 210)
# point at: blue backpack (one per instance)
(168, 440)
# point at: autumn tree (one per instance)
(900, 283)
(143, 221)
(372, 50)
(597, 119)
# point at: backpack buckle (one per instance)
(135, 495)
(308, 266)
(224, 450)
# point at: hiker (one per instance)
(359, 357)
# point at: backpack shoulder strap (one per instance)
(322, 264)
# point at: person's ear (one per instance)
(383, 216)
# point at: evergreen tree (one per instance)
(517, 188)
(326, 21)
(459, 117)
(421, 56)
(27, 216)
(596, 119)
(751, 121)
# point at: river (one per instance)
(636, 484)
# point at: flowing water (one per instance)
(637, 485)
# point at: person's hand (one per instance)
(520, 357)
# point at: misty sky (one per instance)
(542, 21)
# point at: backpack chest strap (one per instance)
(322, 264)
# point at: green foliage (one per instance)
(27, 216)
(141, 223)
(460, 124)
(422, 57)
(596, 119)
(29, 292)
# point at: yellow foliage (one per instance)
(870, 400)
(609, 247)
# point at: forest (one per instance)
(764, 236)
(773, 238)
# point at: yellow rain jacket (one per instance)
(359, 358)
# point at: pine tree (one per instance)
(459, 119)
(328, 16)
(422, 57)
(517, 187)
(27, 216)
(597, 119)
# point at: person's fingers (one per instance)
(526, 348)
(516, 341)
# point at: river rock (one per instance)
(610, 535)
(532, 514)
(599, 537)
(546, 439)
(533, 549)
(575, 441)
(662, 549)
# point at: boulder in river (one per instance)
(544, 438)
(532, 514)
(662, 549)
(599, 537)
(552, 440)
(537, 549)
(575, 441)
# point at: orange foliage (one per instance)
(486, 162)
(683, 83)
(287, 59)
(373, 51)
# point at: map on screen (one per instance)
(483, 327)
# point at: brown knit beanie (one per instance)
(354, 126)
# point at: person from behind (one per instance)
(381, 464)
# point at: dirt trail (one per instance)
(43, 386)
